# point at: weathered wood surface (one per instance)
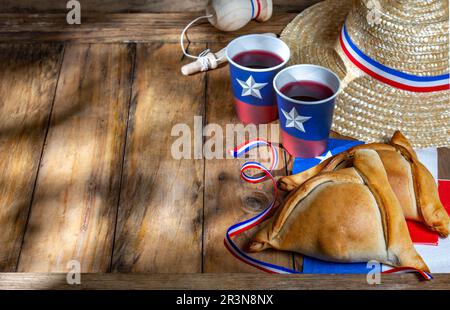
(226, 281)
(159, 227)
(120, 6)
(228, 199)
(112, 28)
(444, 163)
(75, 203)
(28, 78)
(107, 158)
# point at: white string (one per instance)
(183, 33)
(202, 59)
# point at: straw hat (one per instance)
(393, 59)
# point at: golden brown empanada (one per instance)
(412, 183)
(348, 215)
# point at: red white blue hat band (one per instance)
(390, 76)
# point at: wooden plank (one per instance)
(444, 163)
(242, 281)
(27, 87)
(103, 6)
(27, 71)
(228, 199)
(75, 204)
(113, 28)
(118, 6)
(159, 226)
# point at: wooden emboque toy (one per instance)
(225, 15)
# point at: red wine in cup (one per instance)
(307, 91)
(258, 59)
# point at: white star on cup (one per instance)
(324, 157)
(251, 88)
(293, 119)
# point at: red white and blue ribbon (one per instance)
(252, 222)
(245, 148)
(241, 227)
(390, 76)
(425, 275)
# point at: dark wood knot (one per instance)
(256, 202)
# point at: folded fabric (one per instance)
(335, 146)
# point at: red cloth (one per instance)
(419, 233)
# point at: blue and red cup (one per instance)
(305, 125)
(255, 99)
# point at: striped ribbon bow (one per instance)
(241, 227)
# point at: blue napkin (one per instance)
(316, 266)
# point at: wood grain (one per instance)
(444, 163)
(27, 86)
(114, 28)
(161, 202)
(228, 199)
(118, 6)
(74, 207)
(103, 6)
(226, 281)
(159, 226)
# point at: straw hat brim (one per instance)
(366, 109)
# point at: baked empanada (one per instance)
(412, 183)
(348, 215)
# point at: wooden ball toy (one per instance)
(231, 15)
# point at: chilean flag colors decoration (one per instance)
(306, 97)
(390, 76)
(254, 96)
(302, 130)
(254, 61)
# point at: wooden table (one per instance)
(86, 171)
